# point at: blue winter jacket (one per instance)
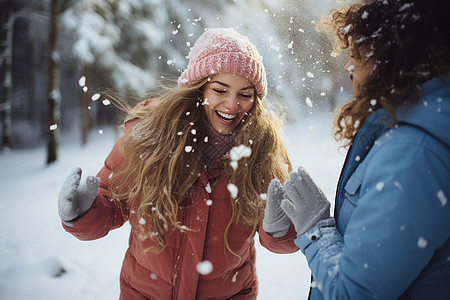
(389, 238)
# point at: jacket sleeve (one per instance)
(397, 224)
(105, 214)
(282, 245)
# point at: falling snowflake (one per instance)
(238, 152)
(95, 97)
(422, 243)
(204, 267)
(442, 197)
(233, 190)
(380, 186)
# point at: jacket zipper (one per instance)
(179, 259)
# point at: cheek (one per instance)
(208, 111)
(246, 106)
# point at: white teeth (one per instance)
(226, 116)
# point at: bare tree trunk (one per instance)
(5, 105)
(54, 95)
(85, 109)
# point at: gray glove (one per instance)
(75, 197)
(276, 222)
(309, 205)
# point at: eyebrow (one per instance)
(227, 85)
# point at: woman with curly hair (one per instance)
(188, 174)
(390, 234)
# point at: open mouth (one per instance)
(226, 118)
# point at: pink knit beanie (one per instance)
(223, 50)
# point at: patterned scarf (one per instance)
(216, 145)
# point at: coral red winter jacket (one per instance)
(172, 274)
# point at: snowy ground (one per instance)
(34, 247)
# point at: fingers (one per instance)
(276, 191)
(294, 187)
(92, 182)
(310, 185)
(289, 208)
(301, 186)
(305, 177)
(67, 199)
(89, 186)
(71, 183)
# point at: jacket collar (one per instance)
(432, 112)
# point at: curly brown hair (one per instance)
(408, 43)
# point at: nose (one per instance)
(231, 103)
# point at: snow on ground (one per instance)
(39, 260)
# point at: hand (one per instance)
(308, 204)
(76, 197)
(276, 222)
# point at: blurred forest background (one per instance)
(58, 56)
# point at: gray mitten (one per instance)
(276, 222)
(308, 204)
(76, 196)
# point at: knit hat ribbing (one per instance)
(223, 50)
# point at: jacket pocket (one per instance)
(352, 189)
(351, 196)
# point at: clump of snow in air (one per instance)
(309, 102)
(233, 190)
(263, 196)
(380, 186)
(188, 149)
(208, 188)
(204, 267)
(442, 197)
(422, 242)
(95, 97)
(82, 81)
(238, 152)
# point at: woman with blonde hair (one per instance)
(189, 174)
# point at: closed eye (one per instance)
(219, 91)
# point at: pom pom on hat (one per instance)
(223, 50)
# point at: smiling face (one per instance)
(227, 98)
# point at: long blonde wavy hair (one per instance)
(158, 171)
